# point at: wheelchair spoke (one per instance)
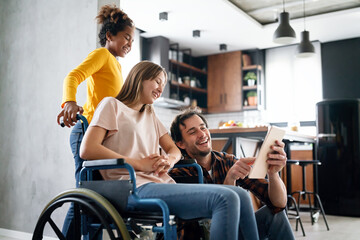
(56, 229)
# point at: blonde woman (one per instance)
(127, 127)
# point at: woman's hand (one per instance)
(162, 165)
(153, 163)
(69, 113)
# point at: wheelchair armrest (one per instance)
(90, 165)
(184, 162)
(191, 163)
(103, 163)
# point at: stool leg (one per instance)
(298, 218)
(322, 210)
(310, 208)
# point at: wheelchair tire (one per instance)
(90, 203)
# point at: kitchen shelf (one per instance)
(187, 87)
(187, 76)
(250, 107)
(186, 66)
(255, 59)
(252, 67)
(246, 88)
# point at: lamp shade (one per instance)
(284, 34)
(305, 48)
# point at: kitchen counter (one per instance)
(258, 133)
(238, 140)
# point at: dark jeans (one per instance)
(75, 141)
(272, 226)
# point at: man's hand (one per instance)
(239, 170)
(277, 158)
(69, 113)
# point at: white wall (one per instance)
(40, 42)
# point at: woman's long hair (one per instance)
(131, 90)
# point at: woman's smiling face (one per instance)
(152, 89)
(120, 44)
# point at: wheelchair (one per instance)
(101, 205)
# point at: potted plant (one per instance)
(251, 98)
(250, 78)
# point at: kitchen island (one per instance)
(246, 142)
(257, 134)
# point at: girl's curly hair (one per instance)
(113, 20)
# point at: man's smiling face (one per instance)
(196, 137)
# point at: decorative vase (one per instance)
(252, 100)
(251, 82)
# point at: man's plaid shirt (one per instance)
(221, 162)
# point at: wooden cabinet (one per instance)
(224, 82)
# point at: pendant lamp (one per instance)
(305, 48)
(284, 34)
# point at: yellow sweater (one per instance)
(104, 79)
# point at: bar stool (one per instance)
(312, 208)
(291, 205)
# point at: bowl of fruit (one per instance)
(231, 124)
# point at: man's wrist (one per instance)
(273, 176)
(228, 181)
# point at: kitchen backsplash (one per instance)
(250, 118)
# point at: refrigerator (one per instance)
(338, 149)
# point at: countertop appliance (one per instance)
(338, 149)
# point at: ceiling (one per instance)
(242, 24)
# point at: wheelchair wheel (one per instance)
(86, 203)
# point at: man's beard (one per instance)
(203, 153)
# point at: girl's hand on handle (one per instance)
(69, 113)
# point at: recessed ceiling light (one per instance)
(223, 47)
(163, 16)
(196, 33)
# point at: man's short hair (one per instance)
(180, 119)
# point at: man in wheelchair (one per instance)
(189, 131)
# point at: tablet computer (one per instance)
(260, 166)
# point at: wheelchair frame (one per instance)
(87, 201)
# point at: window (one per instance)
(293, 85)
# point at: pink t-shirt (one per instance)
(131, 133)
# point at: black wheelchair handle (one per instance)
(62, 124)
